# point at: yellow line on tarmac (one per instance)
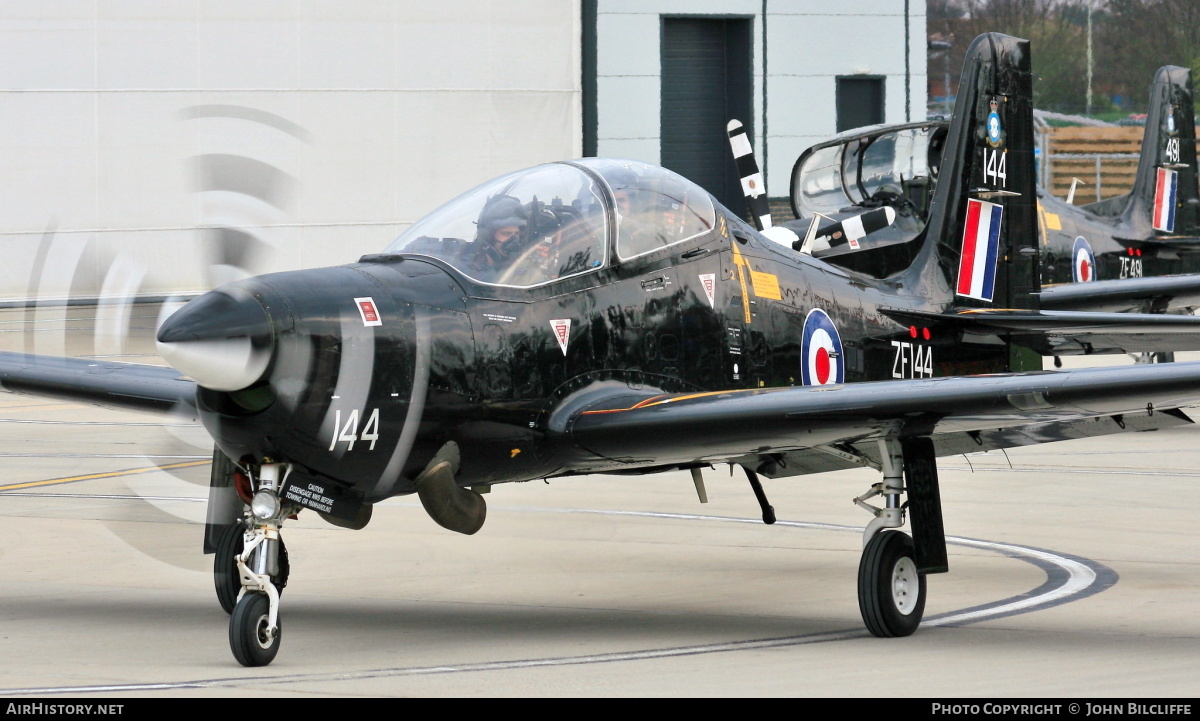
(112, 474)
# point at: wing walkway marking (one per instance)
(1069, 578)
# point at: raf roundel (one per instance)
(821, 350)
(1083, 264)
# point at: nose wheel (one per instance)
(891, 592)
(253, 638)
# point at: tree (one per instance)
(1130, 40)
(1140, 36)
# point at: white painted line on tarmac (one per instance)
(1069, 578)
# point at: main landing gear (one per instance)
(1146, 358)
(891, 592)
(891, 572)
(250, 571)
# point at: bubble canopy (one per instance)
(554, 221)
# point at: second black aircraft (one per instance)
(1152, 231)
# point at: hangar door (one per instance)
(706, 81)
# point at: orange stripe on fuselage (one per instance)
(660, 400)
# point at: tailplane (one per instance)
(980, 244)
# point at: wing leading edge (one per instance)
(958, 413)
(130, 386)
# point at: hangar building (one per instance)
(152, 147)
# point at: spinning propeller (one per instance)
(90, 296)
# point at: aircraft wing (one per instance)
(782, 427)
(131, 386)
(1069, 332)
(1126, 295)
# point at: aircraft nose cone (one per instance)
(216, 315)
(223, 339)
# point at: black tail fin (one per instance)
(981, 241)
(1165, 196)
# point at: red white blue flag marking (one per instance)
(980, 247)
(1164, 200)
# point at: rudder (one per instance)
(982, 232)
(1165, 193)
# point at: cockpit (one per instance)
(555, 221)
(870, 167)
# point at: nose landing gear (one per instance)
(226, 577)
(260, 560)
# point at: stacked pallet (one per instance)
(781, 210)
(1103, 176)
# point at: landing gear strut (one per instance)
(891, 572)
(226, 578)
(262, 567)
(230, 495)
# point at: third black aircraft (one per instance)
(607, 316)
(1152, 231)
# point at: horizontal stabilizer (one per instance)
(1180, 243)
(1144, 295)
(1068, 332)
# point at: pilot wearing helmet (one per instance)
(498, 240)
(654, 222)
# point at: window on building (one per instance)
(859, 101)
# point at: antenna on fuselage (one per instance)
(1071, 193)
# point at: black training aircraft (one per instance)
(607, 316)
(1150, 232)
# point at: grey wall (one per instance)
(809, 43)
(316, 130)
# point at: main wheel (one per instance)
(249, 639)
(891, 592)
(226, 579)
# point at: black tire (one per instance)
(225, 574)
(891, 593)
(247, 631)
